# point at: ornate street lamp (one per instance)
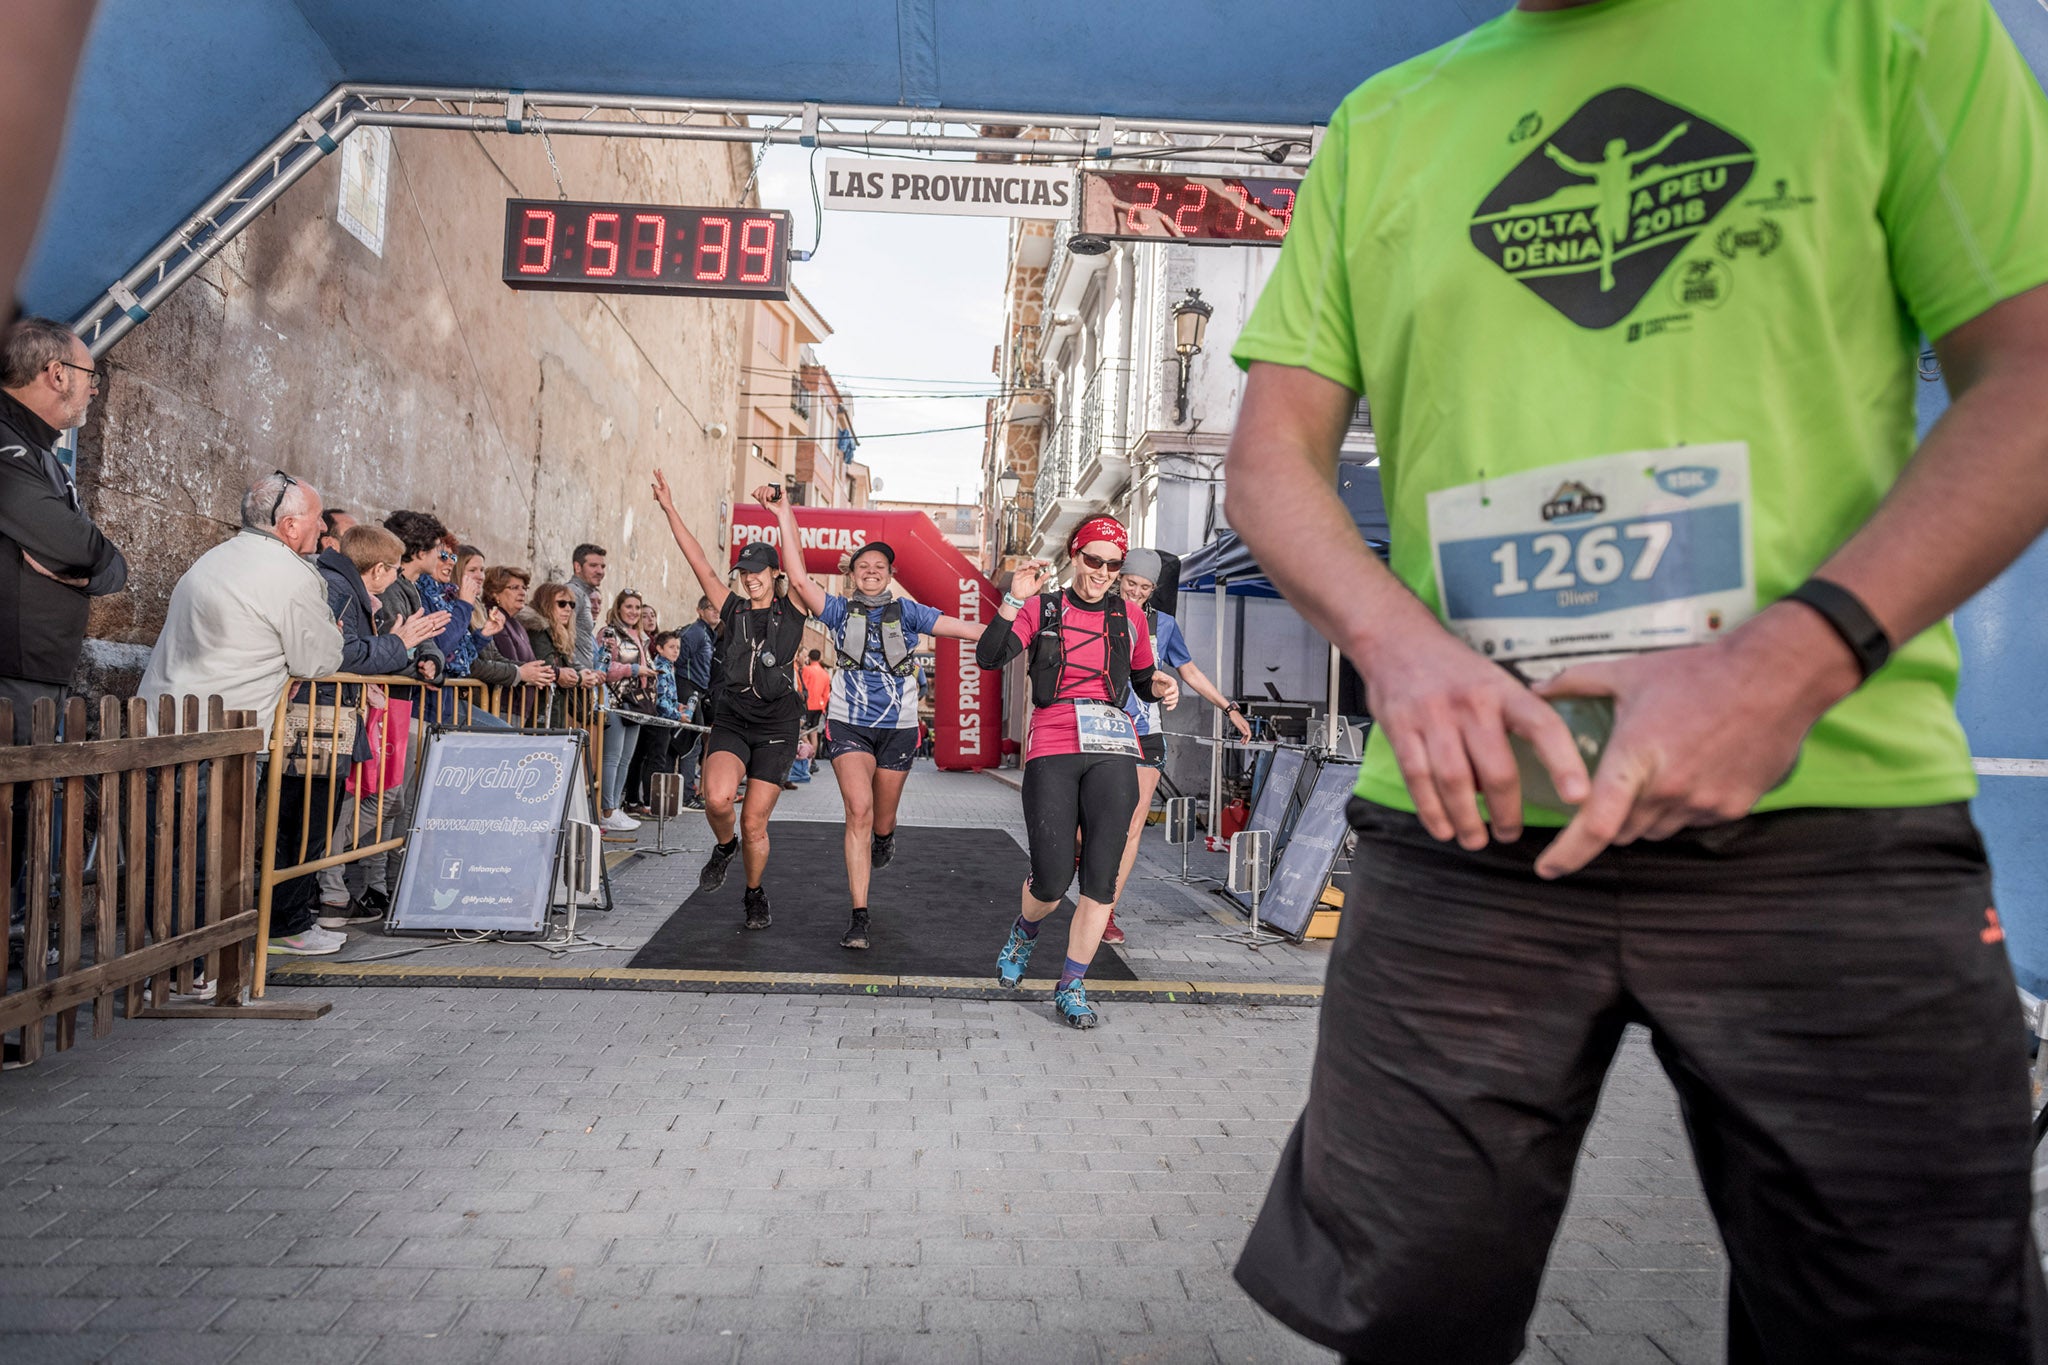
(1190, 325)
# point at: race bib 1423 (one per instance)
(1605, 556)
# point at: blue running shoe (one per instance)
(1070, 1002)
(1015, 957)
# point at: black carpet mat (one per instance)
(942, 907)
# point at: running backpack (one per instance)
(853, 644)
(1049, 648)
(764, 667)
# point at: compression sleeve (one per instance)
(997, 647)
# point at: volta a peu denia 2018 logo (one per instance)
(1590, 220)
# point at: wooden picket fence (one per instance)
(118, 825)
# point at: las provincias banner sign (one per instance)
(972, 188)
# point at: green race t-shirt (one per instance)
(1686, 248)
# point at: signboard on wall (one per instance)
(980, 189)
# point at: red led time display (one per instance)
(646, 249)
(1190, 208)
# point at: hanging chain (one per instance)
(549, 147)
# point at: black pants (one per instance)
(1092, 793)
(656, 753)
(1831, 999)
(295, 904)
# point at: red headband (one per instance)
(1099, 528)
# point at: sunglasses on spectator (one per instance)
(1096, 562)
(289, 483)
(447, 556)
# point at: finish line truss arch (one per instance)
(1083, 139)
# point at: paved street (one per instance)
(473, 1175)
(446, 1174)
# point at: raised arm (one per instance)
(708, 578)
(1198, 682)
(953, 628)
(801, 585)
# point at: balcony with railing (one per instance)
(1102, 460)
(799, 397)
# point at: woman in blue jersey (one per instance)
(1140, 577)
(871, 724)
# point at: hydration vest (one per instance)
(1049, 648)
(765, 667)
(853, 643)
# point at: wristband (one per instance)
(1013, 601)
(1851, 620)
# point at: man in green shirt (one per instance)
(1637, 288)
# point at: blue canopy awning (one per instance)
(1228, 557)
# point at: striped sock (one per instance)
(1072, 972)
(1030, 927)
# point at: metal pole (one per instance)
(1216, 721)
(1330, 721)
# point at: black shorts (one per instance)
(1826, 991)
(813, 719)
(1152, 751)
(891, 749)
(767, 751)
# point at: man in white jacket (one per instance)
(250, 614)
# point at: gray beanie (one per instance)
(1143, 564)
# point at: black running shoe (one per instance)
(713, 875)
(757, 908)
(856, 932)
(881, 849)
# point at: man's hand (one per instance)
(428, 667)
(1448, 714)
(1165, 689)
(1700, 733)
(30, 560)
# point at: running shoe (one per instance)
(1015, 957)
(856, 932)
(713, 875)
(305, 944)
(1112, 932)
(375, 901)
(1070, 1003)
(881, 849)
(757, 908)
(618, 822)
(341, 916)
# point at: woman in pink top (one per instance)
(1087, 647)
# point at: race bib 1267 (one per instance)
(1611, 555)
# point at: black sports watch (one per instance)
(1851, 620)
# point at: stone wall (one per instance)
(527, 421)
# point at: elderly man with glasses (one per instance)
(248, 616)
(52, 558)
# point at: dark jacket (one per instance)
(363, 648)
(42, 622)
(695, 660)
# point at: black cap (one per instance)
(880, 547)
(758, 555)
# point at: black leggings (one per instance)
(1092, 793)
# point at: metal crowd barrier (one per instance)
(316, 722)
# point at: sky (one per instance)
(916, 307)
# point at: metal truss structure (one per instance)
(1082, 139)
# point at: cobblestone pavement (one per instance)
(487, 1175)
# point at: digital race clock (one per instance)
(1189, 208)
(646, 249)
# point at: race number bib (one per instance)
(1104, 729)
(1612, 555)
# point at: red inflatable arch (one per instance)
(967, 703)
